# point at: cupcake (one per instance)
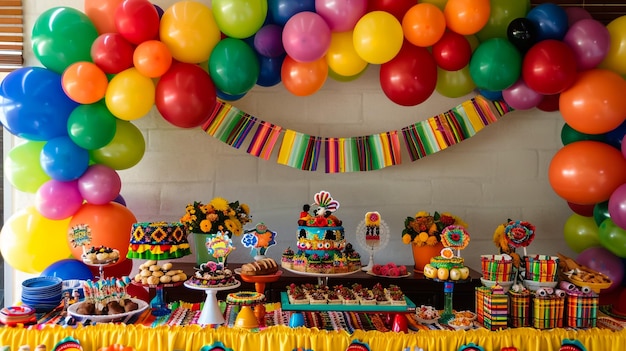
(286, 260)
(327, 263)
(315, 264)
(354, 261)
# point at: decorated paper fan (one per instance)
(455, 236)
(519, 233)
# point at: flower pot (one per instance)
(423, 254)
(202, 254)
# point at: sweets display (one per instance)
(158, 241)
(244, 298)
(321, 242)
(152, 273)
(212, 274)
(100, 255)
(265, 266)
(339, 294)
(446, 266)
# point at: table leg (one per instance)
(211, 313)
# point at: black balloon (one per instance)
(522, 34)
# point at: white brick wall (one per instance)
(500, 173)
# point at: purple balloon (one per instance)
(57, 199)
(521, 97)
(100, 184)
(120, 200)
(590, 40)
(575, 14)
(603, 261)
(306, 37)
(617, 206)
(342, 15)
(268, 41)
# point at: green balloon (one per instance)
(580, 232)
(239, 18)
(613, 238)
(91, 126)
(233, 66)
(495, 65)
(125, 150)
(601, 212)
(454, 84)
(502, 12)
(62, 36)
(23, 168)
(570, 135)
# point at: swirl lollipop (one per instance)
(455, 236)
(519, 234)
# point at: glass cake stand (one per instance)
(158, 304)
(448, 288)
(322, 278)
(100, 266)
(211, 313)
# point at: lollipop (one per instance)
(455, 236)
(519, 234)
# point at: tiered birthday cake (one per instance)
(158, 241)
(321, 244)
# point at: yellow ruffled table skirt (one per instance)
(191, 338)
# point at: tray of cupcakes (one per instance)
(107, 301)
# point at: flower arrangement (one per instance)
(511, 235)
(425, 229)
(218, 216)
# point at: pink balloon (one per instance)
(603, 261)
(58, 200)
(268, 41)
(521, 97)
(617, 206)
(99, 185)
(590, 41)
(342, 15)
(306, 37)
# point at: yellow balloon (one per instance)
(454, 84)
(130, 95)
(30, 242)
(615, 59)
(189, 30)
(341, 55)
(378, 37)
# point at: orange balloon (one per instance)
(101, 225)
(595, 104)
(587, 172)
(101, 13)
(423, 24)
(152, 58)
(467, 16)
(84, 82)
(303, 78)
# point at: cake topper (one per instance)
(519, 234)
(220, 246)
(456, 237)
(258, 240)
(80, 235)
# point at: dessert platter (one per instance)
(389, 270)
(100, 256)
(260, 272)
(158, 276)
(116, 310)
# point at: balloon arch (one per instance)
(109, 65)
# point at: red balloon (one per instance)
(112, 53)
(137, 21)
(452, 52)
(410, 77)
(120, 269)
(583, 210)
(587, 172)
(549, 67)
(549, 103)
(185, 95)
(395, 7)
(138, 292)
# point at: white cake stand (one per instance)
(211, 313)
(372, 248)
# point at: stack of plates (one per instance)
(42, 293)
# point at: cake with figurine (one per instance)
(321, 243)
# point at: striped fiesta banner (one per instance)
(352, 154)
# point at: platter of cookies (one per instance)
(582, 276)
(153, 274)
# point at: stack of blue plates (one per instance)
(42, 293)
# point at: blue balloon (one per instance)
(68, 269)
(615, 136)
(63, 160)
(228, 97)
(550, 21)
(269, 73)
(491, 95)
(282, 10)
(33, 104)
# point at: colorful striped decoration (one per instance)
(300, 150)
(354, 154)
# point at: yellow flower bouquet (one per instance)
(425, 229)
(218, 216)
